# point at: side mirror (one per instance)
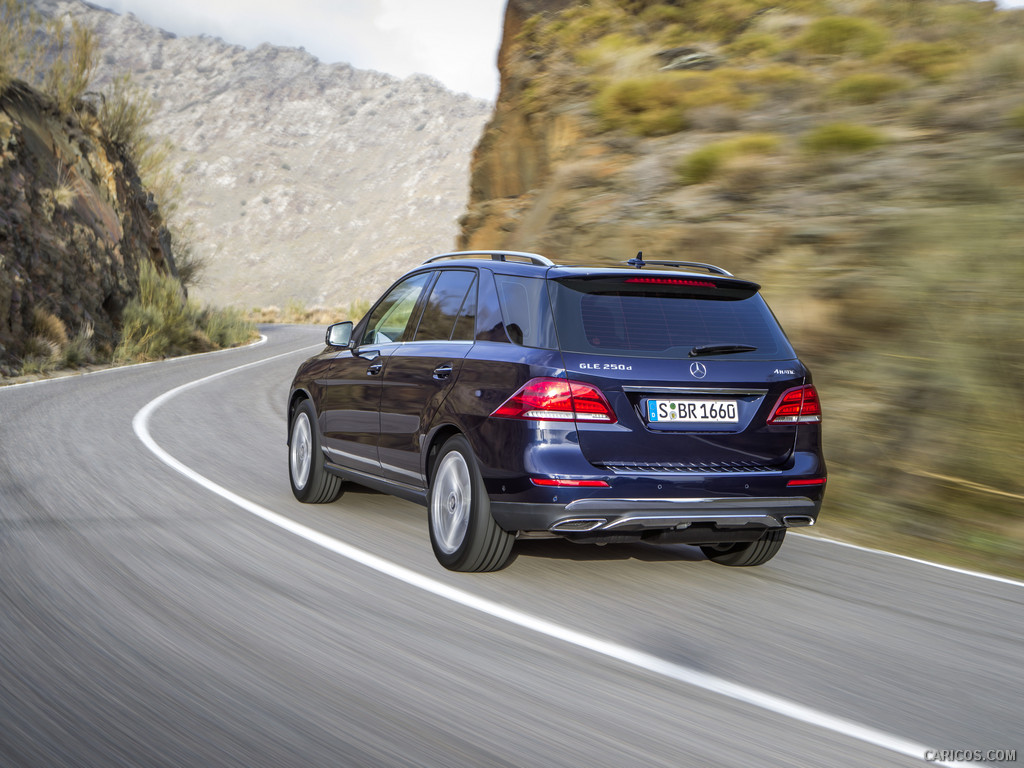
(339, 334)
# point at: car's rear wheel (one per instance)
(463, 533)
(746, 553)
(311, 483)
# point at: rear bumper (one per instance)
(604, 517)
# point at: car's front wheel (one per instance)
(311, 483)
(463, 533)
(746, 553)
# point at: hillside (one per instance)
(303, 181)
(862, 160)
(76, 230)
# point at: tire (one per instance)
(463, 533)
(746, 553)
(311, 483)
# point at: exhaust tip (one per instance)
(576, 525)
(796, 521)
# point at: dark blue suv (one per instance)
(517, 398)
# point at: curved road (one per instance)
(164, 601)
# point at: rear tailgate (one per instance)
(693, 366)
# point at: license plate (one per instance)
(693, 411)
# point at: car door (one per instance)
(420, 372)
(354, 383)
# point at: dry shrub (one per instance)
(1000, 66)
(843, 36)
(842, 138)
(867, 88)
(742, 177)
(49, 327)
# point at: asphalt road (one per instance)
(150, 620)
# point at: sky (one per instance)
(454, 41)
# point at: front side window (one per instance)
(391, 316)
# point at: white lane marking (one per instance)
(908, 558)
(621, 653)
(261, 340)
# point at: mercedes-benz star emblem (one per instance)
(698, 370)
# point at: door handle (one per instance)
(443, 371)
(374, 369)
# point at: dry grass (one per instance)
(867, 88)
(296, 312)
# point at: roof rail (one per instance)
(640, 262)
(533, 258)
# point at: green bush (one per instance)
(934, 61)
(867, 88)
(703, 164)
(842, 137)
(657, 105)
(841, 36)
(159, 322)
(647, 106)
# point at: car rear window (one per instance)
(646, 317)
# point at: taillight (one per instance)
(799, 405)
(557, 400)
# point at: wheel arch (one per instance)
(294, 400)
(437, 438)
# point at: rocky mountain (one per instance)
(75, 226)
(862, 160)
(303, 181)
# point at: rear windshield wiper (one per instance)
(720, 349)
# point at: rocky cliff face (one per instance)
(694, 131)
(304, 181)
(75, 223)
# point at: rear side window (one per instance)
(526, 311)
(610, 316)
(451, 308)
